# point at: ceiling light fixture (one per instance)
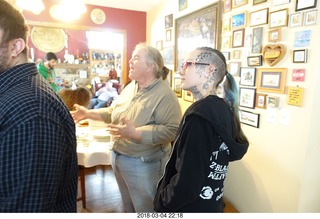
(68, 10)
(36, 6)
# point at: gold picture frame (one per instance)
(278, 18)
(271, 80)
(238, 3)
(274, 35)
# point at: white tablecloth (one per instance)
(92, 152)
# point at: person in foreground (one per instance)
(38, 159)
(209, 136)
(143, 122)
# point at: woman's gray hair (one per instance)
(153, 56)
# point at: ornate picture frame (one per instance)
(188, 37)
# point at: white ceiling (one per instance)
(135, 5)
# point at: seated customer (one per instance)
(104, 96)
(80, 95)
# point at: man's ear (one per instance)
(18, 45)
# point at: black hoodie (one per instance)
(194, 175)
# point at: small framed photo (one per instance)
(274, 35)
(226, 55)
(247, 97)
(280, 2)
(177, 85)
(249, 118)
(168, 21)
(271, 80)
(226, 42)
(259, 17)
(295, 19)
(300, 56)
(257, 34)
(187, 96)
(168, 35)
(183, 4)
(226, 25)
(272, 101)
(248, 76)
(238, 20)
(261, 100)
(234, 68)
(227, 5)
(236, 54)
(159, 45)
(238, 3)
(279, 18)
(254, 60)
(305, 4)
(238, 38)
(310, 18)
(255, 2)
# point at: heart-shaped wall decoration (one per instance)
(273, 53)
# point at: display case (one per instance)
(102, 61)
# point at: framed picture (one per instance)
(279, 18)
(280, 2)
(249, 118)
(226, 25)
(168, 55)
(168, 21)
(247, 97)
(238, 20)
(183, 4)
(168, 35)
(295, 19)
(274, 35)
(272, 101)
(248, 76)
(169, 78)
(271, 80)
(226, 55)
(237, 38)
(234, 68)
(257, 34)
(177, 85)
(259, 17)
(187, 96)
(227, 6)
(255, 2)
(254, 60)
(300, 56)
(188, 37)
(159, 45)
(238, 3)
(310, 18)
(261, 100)
(236, 54)
(305, 4)
(226, 42)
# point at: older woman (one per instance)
(143, 121)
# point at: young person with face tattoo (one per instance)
(209, 137)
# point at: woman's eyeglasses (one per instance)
(185, 65)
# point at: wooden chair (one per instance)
(82, 179)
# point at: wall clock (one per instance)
(98, 16)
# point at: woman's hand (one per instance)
(126, 130)
(80, 113)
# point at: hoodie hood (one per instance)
(218, 113)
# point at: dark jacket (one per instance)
(195, 173)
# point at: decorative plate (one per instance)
(98, 16)
(48, 39)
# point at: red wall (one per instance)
(133, 22)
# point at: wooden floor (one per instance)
(103, 194)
